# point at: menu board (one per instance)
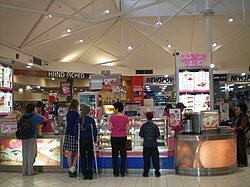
(48, 152)
(197, 102)
(209, 120)
(5, 103)
(193, 81)
(186, 81)
(5, 78)
(201, 102)
(201, 81)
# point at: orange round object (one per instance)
(218, 153)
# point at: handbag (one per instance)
(129, 145)
(247, 132)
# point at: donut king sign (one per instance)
(67, 75)
(190, 59)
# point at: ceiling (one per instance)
(27, 30)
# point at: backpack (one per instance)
(247, 129)
(24, 127)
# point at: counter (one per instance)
(49, 152)
(205, 154)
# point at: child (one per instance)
(150, 131)
(87, 124)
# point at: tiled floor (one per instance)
(241, 178)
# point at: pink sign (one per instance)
(193, 59)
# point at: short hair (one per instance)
(119, 106)
(30, 107)
(149, 115)
(40, 104)
(74, 104)
(243, 107)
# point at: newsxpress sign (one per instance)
(159, 80)
(239, 78)
(67, 75)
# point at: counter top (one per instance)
(45, 135)
(206, 136)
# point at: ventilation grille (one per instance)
(143, 71)
(37, 61)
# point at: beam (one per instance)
(36, 24)
(46, 13)
(70, 5)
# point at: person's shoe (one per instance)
(145, 175)
(116, 175)
(24, 174)
(242, 165)
(73, 175)
(85, 177)
(158, 174)
(32, 174)
(90, 177)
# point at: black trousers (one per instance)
(87, 154)
(152, 153)
(241, 149)
(119, 145)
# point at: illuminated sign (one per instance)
(193, 59)
(71, 75)
(239, 78)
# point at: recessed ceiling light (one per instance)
(30, 64)
(158, 23)
(106, 11)
(28, 67)
(243, 74)
(169, 45)
(230, 20)
(50, 16)
(166, 75)
(68, 30)
(38, 87)
(212, 66)
(214, 44)
(52, 78)
(130, 47)
(80, 41)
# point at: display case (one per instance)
(103, 143)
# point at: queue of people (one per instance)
(81, 129)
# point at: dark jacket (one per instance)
(72, 116)
(86, 132)
(150, 132)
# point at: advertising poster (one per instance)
(137, 92)
(65, 89)
(206, 154)
(110, 85)
(174, 117)
(5, 103)
(210, 120)
(48, 152)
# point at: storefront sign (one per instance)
(220, 77)
(68, 75)
(193, 59)
(239, 78)
(188, 59)
(158, 80)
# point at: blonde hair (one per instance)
(85, 111)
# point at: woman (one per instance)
(47, 127)
(87, 127)
(119, 126)
(69, 141)
(166, 110)
(241, 123)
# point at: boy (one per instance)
(150, 131)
